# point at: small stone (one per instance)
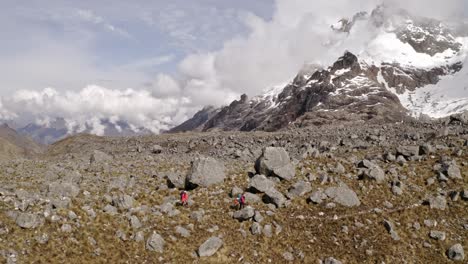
(258, 217)
(268, 231)
(439, 202)
(182, 231)
(437, 235)
(288, 256)
(66, 228)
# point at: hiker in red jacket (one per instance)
(241, 201)
(184, 198)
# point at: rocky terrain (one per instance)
(340, 193)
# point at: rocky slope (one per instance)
(13, 145)
(394, 193)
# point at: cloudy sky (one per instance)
(155, 62)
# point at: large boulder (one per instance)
(210, 247)
(275, 197)
(244, 214)
(260, 183)
(100, 157)
(275, 162)
(155, 243)
(408, 151)
(175, 179)
(28, 221)
(206, 171)
(343, 195)
(300, 188)
(63, 189)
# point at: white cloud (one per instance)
(93, 103)
(91, 17)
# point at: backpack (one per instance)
(242, 199)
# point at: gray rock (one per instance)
(198, 215)
(288, 256)
(408, 151)
(268, 231)
(66, 228)
(275, 197)
(251, 198)
(343, 195)
(63, 189)
(123, 201)
(258, 217)
(139, 236)
(110, 209)
(261, 183)
(28, 221)
(456, 252)
(300, 188)
(376, 173)
(155, 243)
(210, 247)
(318, 196)
(182, 231)
(437, 235)
(464, 194)
(426, 149)
(236, 191)
(453, 171)
(275, 162)
(331, 260)
(244, 214)
(256, 229)
(391, 230)
(43, 238)
(100, 157)
(156, 149)
(176, 179)
(206, 171)
(439, 202)
(135, 222)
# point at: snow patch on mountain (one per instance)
(449, 96)
(387, 48)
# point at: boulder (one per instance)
(155, 243)
(99, 157)
(123, 201)
(408, 151)
(244, 214)
(210, 247)
(63, 189)
(260, 183)
(28, 221)
(300, 188)
(317, 197)
(206, 171)
(456, 252)
(275, 197)
(156, 149)
(275, 162)
(343, 195)
(375, 173)
(175, 180)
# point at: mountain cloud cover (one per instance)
(272, 53)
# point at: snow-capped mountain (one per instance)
(411, 66)
(59, 128)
